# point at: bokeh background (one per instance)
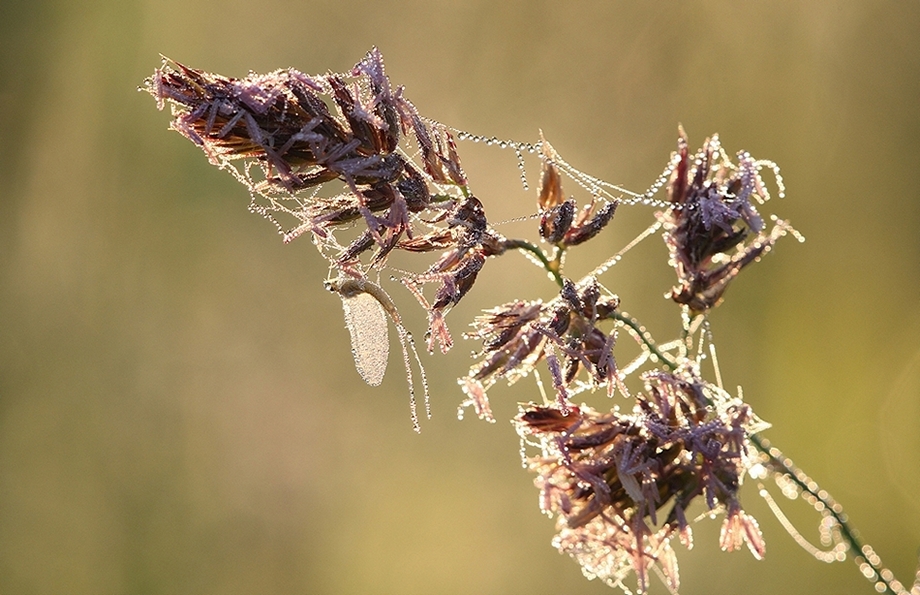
(179, 412)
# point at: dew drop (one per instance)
(757, 471)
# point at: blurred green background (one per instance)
(178, 408)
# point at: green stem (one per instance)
(646, 339)
(784, 466)
(551, 267)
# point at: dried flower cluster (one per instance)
(711, 218)
(619, 484)
(294, 133)
(559, 225)
(518, 335)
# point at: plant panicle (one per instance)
(348, 155)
